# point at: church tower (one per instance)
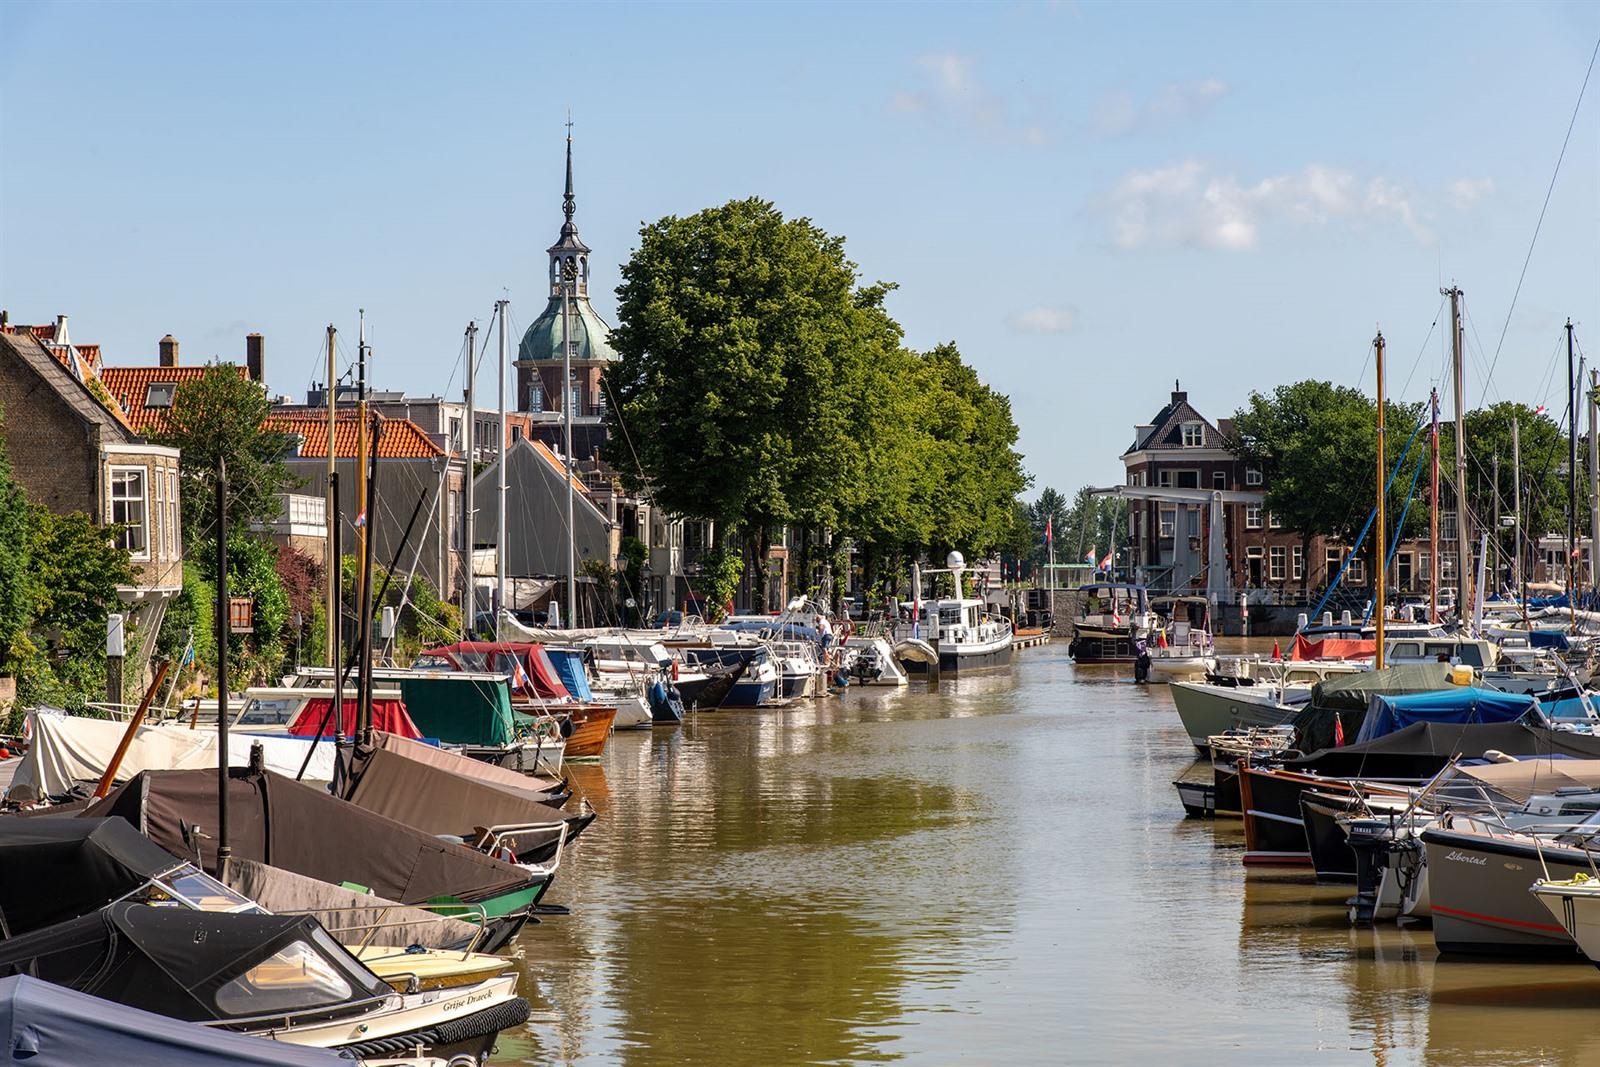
(540, 390)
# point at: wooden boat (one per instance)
(591, 728)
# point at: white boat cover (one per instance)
(66, 750)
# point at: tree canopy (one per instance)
(764, 384)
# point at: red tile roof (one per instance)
(129, 386)
(400, 439)
(88, 355)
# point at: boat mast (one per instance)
(1594, 478)
(1381, 560)
(1433, 516)
(469, 599)
(364, 520)
(1516, 511)
(223, 625)
(1463, 517)
(331, 555)
(1572, 479)
(502, 487)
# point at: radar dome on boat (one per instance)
(954, 560)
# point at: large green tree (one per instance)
(1316, 446)
(222, 415)
(16, 565)
(741, 340)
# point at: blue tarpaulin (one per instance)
(45, 1025)
(569, 667)
(1466, 704)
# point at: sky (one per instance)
(1093, 201)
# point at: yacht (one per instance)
(961, 629)
(1116, 616)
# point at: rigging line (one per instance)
(1423, 350)
(1545, 207)
(1488, 382)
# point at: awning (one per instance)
(387, 715)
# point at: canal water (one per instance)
(997, 872)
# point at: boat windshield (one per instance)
(190, 887)
(270, 711)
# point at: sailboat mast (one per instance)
(1572, 479)
(469, 602)
(1433, 513)
(1594, 479)
(364, 522)
(1516, 509)
(503, 486)
(331, 553)
(1463, 514)
(1380, 571)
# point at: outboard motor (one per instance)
(1141, 662)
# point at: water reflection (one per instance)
(997, 872)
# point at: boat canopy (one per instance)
(1522, 780)
(1332, 648)
(57, 867)
(1345, 698)
(1458, 704)
(387, 715)
(47, 1025)
(438, 801)
(465, 766)
(460, 710)
(531, 672)
(1421, 749)
(569, 667)
(197, 965)
(276, 820)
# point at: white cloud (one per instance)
(1119, 113)
(1190, 204)
(951, 88)
(1465, 192)
(1044, 320)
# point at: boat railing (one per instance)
(382, 923)
(488, 841)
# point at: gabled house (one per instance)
(72, 449)
(145, 394)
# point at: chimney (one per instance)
(61, 337)
(1178, 395)
(253, 356)
(169, 351)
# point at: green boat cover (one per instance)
(463, 711)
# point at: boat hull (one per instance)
(1331, 854)
(591, 728)
(954, 659)
(1206, 710)
(1480, 899)
(750, 693)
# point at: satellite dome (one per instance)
(954, 560)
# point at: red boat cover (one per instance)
(1333, 648)
(387, 715)
(532, 673)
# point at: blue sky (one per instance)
(1091, 200)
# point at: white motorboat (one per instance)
(1183, 646)
(872, 662)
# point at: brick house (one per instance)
(72, 449)
(1182, 449)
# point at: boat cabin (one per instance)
(1114, 598)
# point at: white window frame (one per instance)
(1252, 516)
(1332, 560)
(174, 513)
(169, 394)
(158, 527)
(1277, 563)
(1164, 479)
(1357, 574)
(1252, 476)
(1273, 521)
(1297, 563)
(143, 499)
(1196, 431)
(1168, 523)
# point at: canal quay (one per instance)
(995, 872)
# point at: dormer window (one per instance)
(160, 394)
(1194, 434)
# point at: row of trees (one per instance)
(761, 384)
(1316, 445)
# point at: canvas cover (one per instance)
(466, 766)
(532, 674)
(1353, 692)
(570, 668)
(470, 711)
(54, 868)
(278, 821)
(1458, 704)
(346, 914)
(434, 800)
(1421, 750)
(1522, 780)
(1332, 648)
(387, 715)
(47, 1025)
(172, 960)
(68, 750)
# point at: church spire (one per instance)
(569, 255)
(569, 206)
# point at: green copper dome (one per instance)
(590, 335)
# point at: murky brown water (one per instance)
(996, 873)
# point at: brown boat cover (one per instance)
(278, 821)
(465, 766)
(1525, 778)
(349, 916)
(436, 801)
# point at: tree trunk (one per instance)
(763, 547)
(801, 570)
